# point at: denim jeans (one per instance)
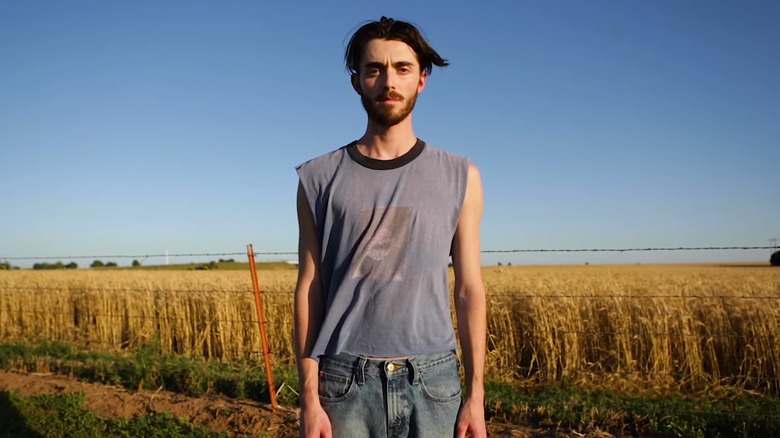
(416, 397)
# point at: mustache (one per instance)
(389, 95)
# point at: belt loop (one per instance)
(415, 371)
(360, 371)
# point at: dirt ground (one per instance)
(215, 413)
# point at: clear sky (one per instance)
(140, 127)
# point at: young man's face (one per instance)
(388, 81)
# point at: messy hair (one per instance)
(389, 29)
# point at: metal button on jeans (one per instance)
(394, 366)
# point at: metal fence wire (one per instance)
(487, 251)
(745, 376)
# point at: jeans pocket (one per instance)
(441, 383)
(333, 387)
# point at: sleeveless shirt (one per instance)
(385, 229)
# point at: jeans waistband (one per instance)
(412, 365)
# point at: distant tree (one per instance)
(72, 265)
(96, 264)
(775, 259)
(111, 265)
(509, 264)
(499, 264)
(5, 265)
(136, 263)
(206, 267)
(58, 265)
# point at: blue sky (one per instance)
(130, 128)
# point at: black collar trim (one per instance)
(395, 163)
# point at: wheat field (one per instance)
(663, 328)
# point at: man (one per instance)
(378, 221)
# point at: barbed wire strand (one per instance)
(157, 318)
(637, 297)
(679, 248)
(490, 251)
(131, 290)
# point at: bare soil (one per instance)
(215, 413)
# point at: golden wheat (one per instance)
(660, 326)
(637, 327)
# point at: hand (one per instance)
(471, 420)
(314, 423)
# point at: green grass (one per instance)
(64, 415)
(737, 414)
(146, 369)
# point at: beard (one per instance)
(386, 115)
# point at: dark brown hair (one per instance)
(389, 29)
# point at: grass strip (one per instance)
(65, 416)
(737, 414)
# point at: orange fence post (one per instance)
(261, 322)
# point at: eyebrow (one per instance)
(380, 65)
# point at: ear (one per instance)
(423, 81)
(355, 79)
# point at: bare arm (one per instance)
(470, 307)
(308, 318)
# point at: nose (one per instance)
(390, 79)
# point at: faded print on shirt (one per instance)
(381, 254)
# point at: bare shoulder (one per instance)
(473, 187)
(474, 175)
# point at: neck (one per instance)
(384, 143)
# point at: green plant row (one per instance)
(64, 415)
(145, 368)
(736, 414)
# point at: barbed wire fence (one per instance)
(769, 381)
(488, 251)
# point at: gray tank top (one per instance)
(386, 230)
